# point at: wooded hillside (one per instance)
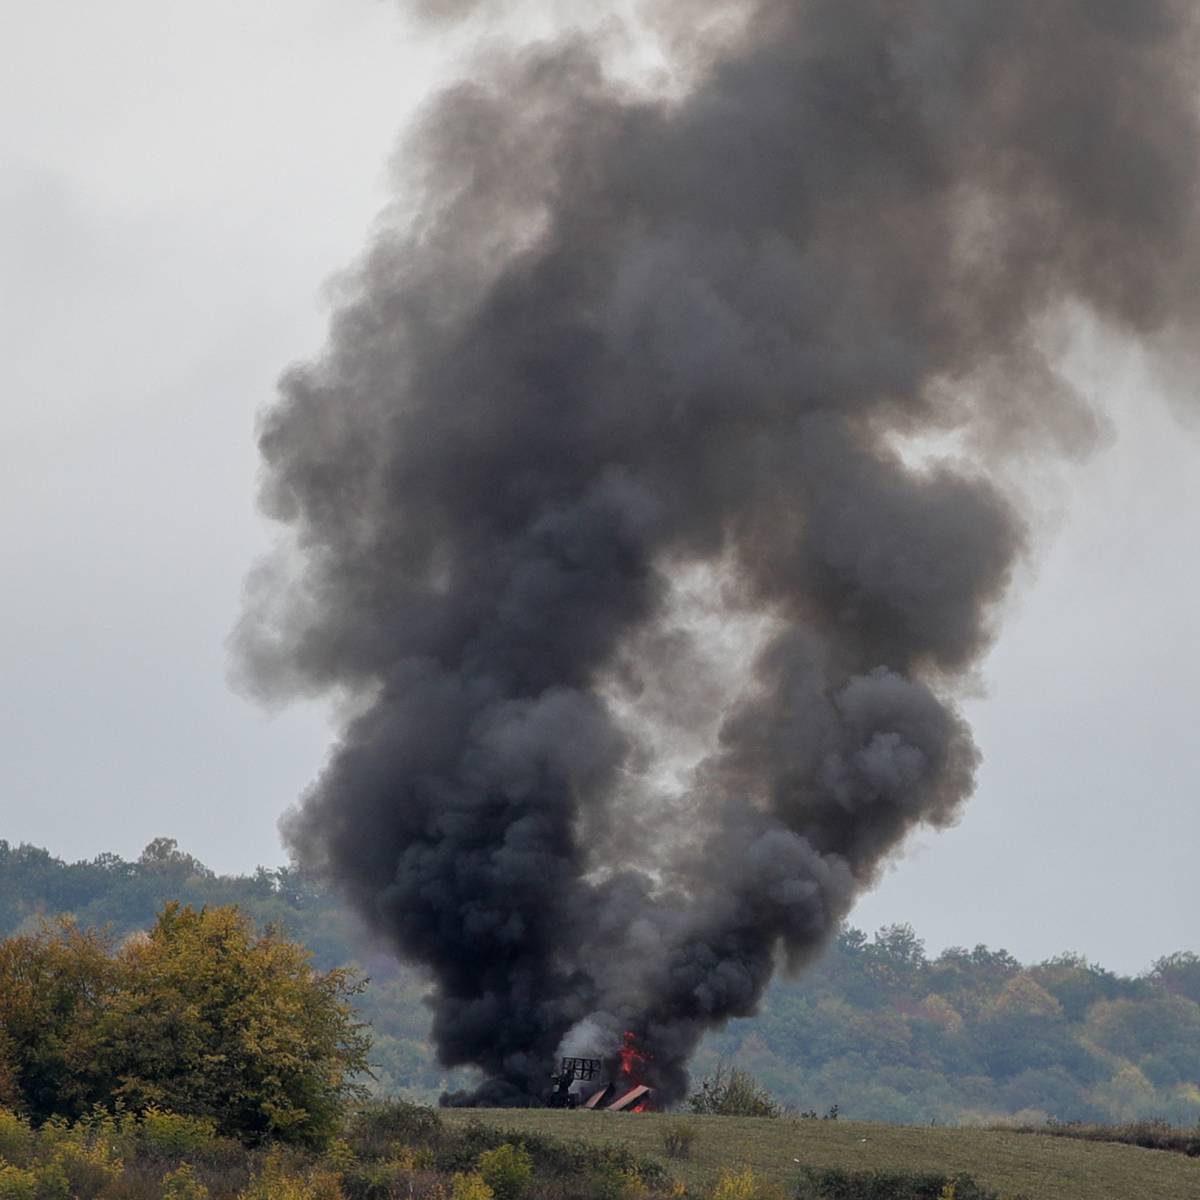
(876, 1027)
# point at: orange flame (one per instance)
(632, 1058)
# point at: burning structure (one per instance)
(570, 1070)
(625, 1091)
(605, 506)
(628, 1091)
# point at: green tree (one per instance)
(1077, 984)
(731, 1092)
(1163, 1024)
(55, 985)
(1179, 974)
(215, 1020)
(507, 1170)
(201, 1016)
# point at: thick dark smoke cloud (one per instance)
(623, 336)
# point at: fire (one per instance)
(627, 1091)
(632, 1058)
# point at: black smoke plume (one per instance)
(635, 370)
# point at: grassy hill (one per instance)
(1044, 1168)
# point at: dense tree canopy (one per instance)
(199, 1015)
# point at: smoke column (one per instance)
(625, 348)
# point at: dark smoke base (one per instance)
(627, 335)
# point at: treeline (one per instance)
(889, 1034)
(875, 1027)
(126, 896)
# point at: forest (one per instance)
(876, 1026)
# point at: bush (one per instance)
(16, 1138)
(324, 1185)
(17, 1183)
(469, 1186)
(373, 1181)
(52, 1182)
(560, 1160)
(88, 1168)
(833, 1183)
(507, 1170)
(340, 1156)
(412, 1158)
(609, 1184)
(182, 1184)
(1154, 1133)
(172, 1135)
(677, 1139)
(277, 1182)
(730, 1092)
(376, 1129)
(741, 1185)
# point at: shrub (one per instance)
(387, 1181)
(469, 1186)
(741, 1185)
(599, 1162)
(412, 1158)
(340, 1156)
(17, 1183)
(88, 1168)
(372, 1181)
(324, 1185)
(1153, 1133)
(182, 1184)
(459, 1150)
(56, 1132)
(611, 1184)
(677, 1139)
(280, 1185)
(276, 1182)
(52, 1182)
(376, 1129)
(16, 1138)
(834, 1183)
(634, 1184)
(171, 1135)
(730, 1092)
(507, 1170)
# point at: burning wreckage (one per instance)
(624, 1093)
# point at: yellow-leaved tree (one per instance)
(202, 1015)
(54, 985)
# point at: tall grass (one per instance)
(1153, 1133)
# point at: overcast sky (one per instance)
(178, 184)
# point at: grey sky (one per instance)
(178, 182)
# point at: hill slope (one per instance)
(1044, 1168)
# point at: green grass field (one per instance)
(1044, 1168)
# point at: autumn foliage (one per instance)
(202, 1016)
